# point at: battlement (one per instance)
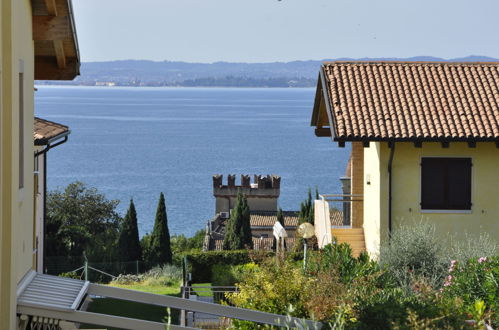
(262, 193)
(260, 182)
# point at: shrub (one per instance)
(201, 263)
(414, 251)
(272, 289)
(167, 275)
(229, 275)
(473, 247)
(474, 281)
(73, 275)
(338, 257)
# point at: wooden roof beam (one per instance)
(59, 54)
(51, 28)
(46, 68)
(51, 7)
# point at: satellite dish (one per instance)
(306, 230)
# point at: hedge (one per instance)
(201, 263)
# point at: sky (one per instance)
(272, 30)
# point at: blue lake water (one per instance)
(137, 142)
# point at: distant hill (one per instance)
(218, 74)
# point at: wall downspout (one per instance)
(390, 163)
(44, 153)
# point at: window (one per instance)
(446, 184)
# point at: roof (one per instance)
(269, 218)
(408, 101)
(55, 42)
(45, 131)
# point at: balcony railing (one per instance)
(335, 211)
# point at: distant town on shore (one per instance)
(143, 73)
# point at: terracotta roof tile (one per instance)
(414, 100)
(268, 218)
(45, 130)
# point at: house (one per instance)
(47, 135)
(262, 196)
(424, 147)
(37, 42)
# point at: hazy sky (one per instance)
(272, 30)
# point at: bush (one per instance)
(167, 275)
(414, 251)
(473, 247)
(72, 275)
(338, 257)
(229, 275)
(475, 281)
(270, 288)
(201, 263)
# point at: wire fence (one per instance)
(102, 272)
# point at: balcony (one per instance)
(338, 219)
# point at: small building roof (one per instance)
(408, 101)
(46, 131)
(268, 218)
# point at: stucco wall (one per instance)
(484, 216)
(254, 203)
(16, 212)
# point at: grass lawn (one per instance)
(134, 309)
(157, 289)
(202, 292)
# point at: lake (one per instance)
(138, 142)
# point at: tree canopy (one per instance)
(79, 219)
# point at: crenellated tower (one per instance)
(262, 194)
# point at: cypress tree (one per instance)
(129, 248)
(238, 229)
(246, 236)
(280, 217)
(160, 249)
(307, 208)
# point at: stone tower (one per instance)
(262, 194)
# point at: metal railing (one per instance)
(341, 208)
(209, 294)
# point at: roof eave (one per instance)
(45, 141)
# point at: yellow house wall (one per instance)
(16, 214)
(406, 188)
(375, 195)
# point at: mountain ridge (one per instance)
(299, 73)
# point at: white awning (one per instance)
(60, 298)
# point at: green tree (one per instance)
(280, 217)
(129, 248)
(181, 243)
(238, 229)
(307, 208)
(81, 219)
(160, 250)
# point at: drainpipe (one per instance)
(390, 162)
(44, 153)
